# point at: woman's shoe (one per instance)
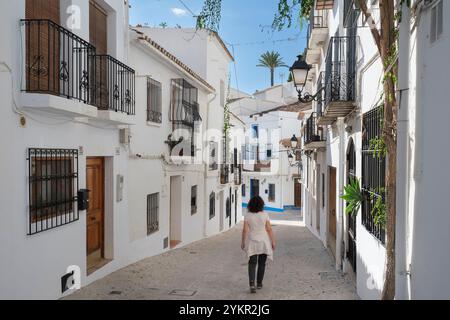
(259, 286)
(252, 288)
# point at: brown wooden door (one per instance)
(297, 193)
(95, 213)
(98, 36)
(332, 211)
(42, 46)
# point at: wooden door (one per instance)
(42, 46)
(297, 193)
(98, 37)
(95, 176)
(332, 211)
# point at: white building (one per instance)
(67, 92)
(206, 54)
(267, 170)
(348, 69)
(92, 183)
(422, 178)
(337, 146)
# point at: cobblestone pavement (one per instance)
(216, 269)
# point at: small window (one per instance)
(243, 190)
(269, 153)
(154, 101)
(437, 21)
(271, 192)
(213, 156)
(255, 132)
(212, 205)
(53, 185)
(194, 200)
(152, 213)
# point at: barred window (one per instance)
(53, 187)
(154, 101)
(194, 200)
(373, 171)
(213, 156)
(152, 213)
(212, 205)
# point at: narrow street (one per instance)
(216, 269)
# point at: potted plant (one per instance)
(354, 197)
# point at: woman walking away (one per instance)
(258, 241)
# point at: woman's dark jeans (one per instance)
(259, 260)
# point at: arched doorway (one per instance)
(351, 233)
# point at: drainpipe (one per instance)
(205, 180)
(340, 216)
(403, 160)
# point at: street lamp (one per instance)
(300, 70)
(294, 142)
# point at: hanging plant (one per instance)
(354, 197)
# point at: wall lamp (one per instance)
(300, 70)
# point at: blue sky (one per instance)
(242, 25)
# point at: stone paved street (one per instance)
(216, 269)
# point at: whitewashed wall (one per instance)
(32, 266)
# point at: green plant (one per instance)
(354, 197)
(378, 146)
(379, 208)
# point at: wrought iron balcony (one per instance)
(57, 62)
(114, 85)
(340, 80)
(60, 63)
(314, 137)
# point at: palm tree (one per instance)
(271, 60)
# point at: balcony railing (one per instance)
(57, 61)
(340, 73)
(114, 85)
(60, 63)
(321, 94)
(317, 19)
(224, 173)
(313, 133)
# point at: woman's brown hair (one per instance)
(256, 205)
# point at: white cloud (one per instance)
(179, 12)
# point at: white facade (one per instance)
(422, 210)
(205, 53)
(325, 215)
(267, 171)
(33, 265)
(115, 152)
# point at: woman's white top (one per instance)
(258, 241)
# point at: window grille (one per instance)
(152, 213)
(53, 187)
(212, 205)
(154, 101)
(373, 171)
(194, 200)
